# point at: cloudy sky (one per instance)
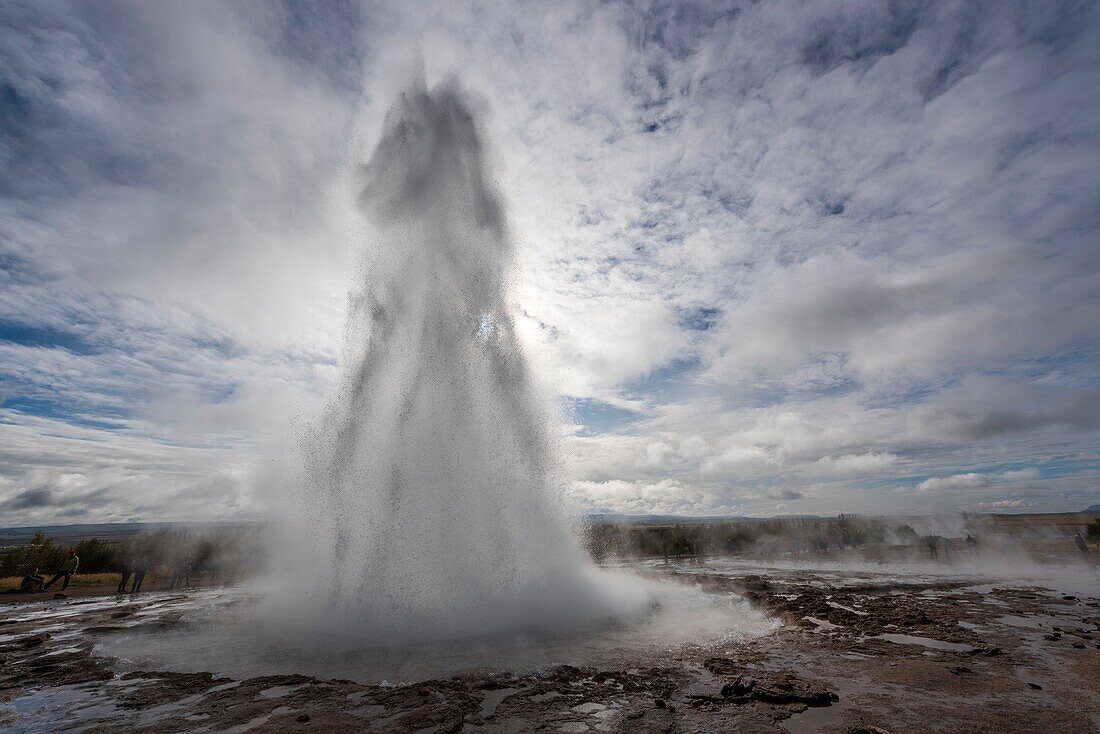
(775, 257)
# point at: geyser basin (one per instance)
(218, 632)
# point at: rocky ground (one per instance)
(858, 653)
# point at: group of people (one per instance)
(68, 568)
(138, 559)
(950, 545)
(138, 566)
(691, 548)
(33, 582)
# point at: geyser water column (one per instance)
(429, 482)
(423, 512)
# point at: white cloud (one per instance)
(826, 249)
(957, 481)
(51, 471)
(667, 497)
(1006, 505)
(857, 464)
(971, 480)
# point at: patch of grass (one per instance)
(80, 579)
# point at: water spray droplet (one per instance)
(486, 325)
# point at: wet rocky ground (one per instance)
(859, 652)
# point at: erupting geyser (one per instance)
(423, 534)
(429, 482)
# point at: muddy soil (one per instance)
(858, 653)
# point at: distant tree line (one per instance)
(778, 536)
(797, 535)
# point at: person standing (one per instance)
(68, 568)
(140, 566)
(127, 569)
(1082, 547)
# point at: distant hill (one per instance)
(1092, 508)
(110, 532)
(616, 519)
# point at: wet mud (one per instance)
(857, 653)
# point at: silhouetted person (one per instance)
(68, 568)
(127, 569)
(1082, 546)
(140, 567)
(697, 551)
(181, 574)
(32, 582)
(933, 542)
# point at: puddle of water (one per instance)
(248, 725)
(812, 720)
(369, 711)
(827, 718)
(539, 698)
(834, 605)
(43, 711)
(280, 691)
(823, 625)
(511, 726)
(383, 724)
(1042, 621)
(923, 641)
(170, 709)
(59, 651)
(493, 699)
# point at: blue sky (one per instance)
(778, 257)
